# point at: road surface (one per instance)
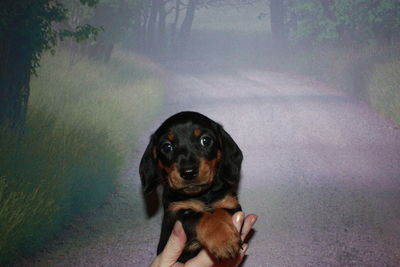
(321, 170)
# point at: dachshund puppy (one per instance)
(198, 164)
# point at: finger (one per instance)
(242, 254)
(174, 247)
(238, 219)
(249, 222)
(202, 259)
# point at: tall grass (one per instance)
(82, 120)
(384, 89)
(371, 73)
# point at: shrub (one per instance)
(384, 89)
(371, 73)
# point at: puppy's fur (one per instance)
(199, 165)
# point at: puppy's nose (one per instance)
(188, 173)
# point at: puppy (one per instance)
(198, 164)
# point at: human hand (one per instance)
(176, 243)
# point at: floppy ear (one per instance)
(231, 161)
(149, 172)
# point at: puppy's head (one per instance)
(188, 152)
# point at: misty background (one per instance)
(309, 89)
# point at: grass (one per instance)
(82, 120)
(241, 34)
(371, 73)
(384, 89)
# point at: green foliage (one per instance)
(29, 24)
(383, 89)
(312, 23)
(356, 21)
(112, 19)
(52, 172)
(370, 73)
(81, 32)
(19, 218)
(89, 3)
(81, 124)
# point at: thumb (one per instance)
(174, 247)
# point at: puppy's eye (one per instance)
(167, 147)
(206, 141)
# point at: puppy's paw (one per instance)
(225, 246)
(218, 235)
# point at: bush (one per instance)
(370, 73)
(384, 90)
(81, 124)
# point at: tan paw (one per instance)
(217, 233)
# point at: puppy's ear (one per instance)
(231, 161)
(148, 170)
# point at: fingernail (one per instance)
(240, 218)
(245, 247)
(178, 228)
(253, 220)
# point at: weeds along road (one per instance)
(321, 170)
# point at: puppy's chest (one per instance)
(229, 202)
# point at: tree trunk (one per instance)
(15, 68)
(187, 22)
(278, 30)
(175, 23)
(151, 25)
(162, 15)
(138, 30)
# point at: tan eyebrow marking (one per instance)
(154, 151)
(170, 136)
(197, 132)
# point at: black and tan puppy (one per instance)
(199, 165)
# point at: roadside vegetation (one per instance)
(384, 89)
(82, 120)
(64, 134)
(370, 73)
(352, 45)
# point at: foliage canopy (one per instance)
(30, 23)
(357, 21)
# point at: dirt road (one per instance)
(321, 169)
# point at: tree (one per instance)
(115, 17)
(186, 26)
(278, 29)
(154, 19)
(343, 21)
(26, 31)
(174, 25)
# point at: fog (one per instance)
(223, 37)
(316, 158)
(309, 91)
(233, 34)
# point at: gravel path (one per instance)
(321, 169)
